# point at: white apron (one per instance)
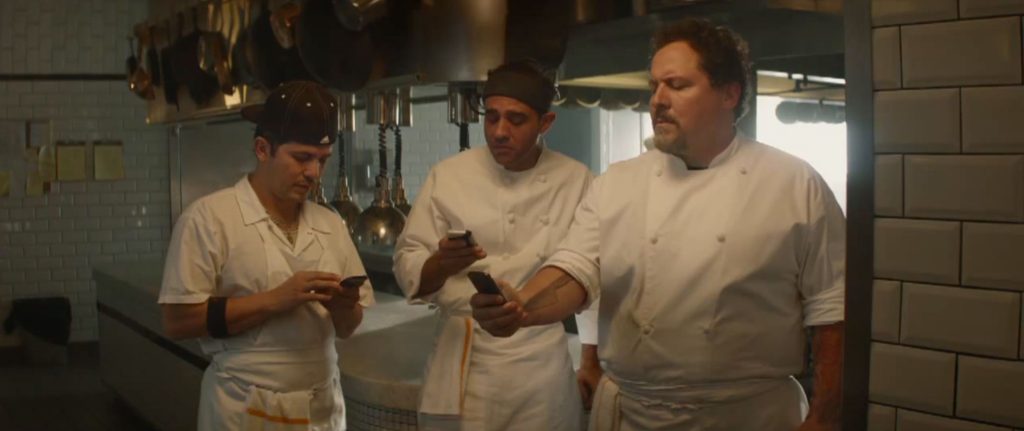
(273, 382)
(762, 405)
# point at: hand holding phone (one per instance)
(465, 235)
(484, 283)
(354, 281)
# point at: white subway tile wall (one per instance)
(889, 185)
(957, 363)
(48, 244)
(972, 52)
(889, 12)
(886, 58)
(914, 421)
(992, 255)
(987, 188)
(991, 119)
(986, 322)
(990, 390)
(978, 8)
(881, 418)
(917, 121)
(917, 250)
(885, 311)
(911, 377)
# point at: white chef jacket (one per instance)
(518, 218)
(707, 276)
(224, 244)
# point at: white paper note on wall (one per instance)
(108, 160)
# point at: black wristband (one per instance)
(216, 317)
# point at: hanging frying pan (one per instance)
(201, 87)
(152, 58)
(271, 63)
(132, 62)
(212, 51)
(241, 72)
(166, 65)
(282, 22)
(336, 56)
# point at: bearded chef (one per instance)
(711, 255)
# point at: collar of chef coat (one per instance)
(253, 211)
(675, 163)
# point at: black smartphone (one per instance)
(353, 281)
(483, 283)
(465, 235)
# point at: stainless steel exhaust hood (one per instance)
(803, 38)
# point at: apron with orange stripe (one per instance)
(270, 383)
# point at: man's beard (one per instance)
(676, 146)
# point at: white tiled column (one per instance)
(949, 231)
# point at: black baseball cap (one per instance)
(521, 80)
(300, 111)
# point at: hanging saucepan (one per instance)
(271, 63)
(213, 51)
(538, 30)
(201, 87)
(132, 62)
(336, 56)
(356, 15)
(390, 36)
(241, 72)
(282, 21)
(152, 58)
(167, 55)
(140, 81)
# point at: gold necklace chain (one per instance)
(290, 231)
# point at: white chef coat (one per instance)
(707, 277)
(489, 383)
(283, 372)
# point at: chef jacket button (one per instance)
(511, 218)
(657, 173)
(654, 240)
(743, 171)
(647, 329)
(720, 238)
(543, 179)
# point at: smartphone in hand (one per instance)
(465, 235)
(483, 283)
(354, 281)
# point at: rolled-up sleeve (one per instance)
(578, 253)
(418, 241)
(823, 275)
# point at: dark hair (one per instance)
(270, 137)
(724, 55)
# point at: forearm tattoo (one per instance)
(548, 295)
